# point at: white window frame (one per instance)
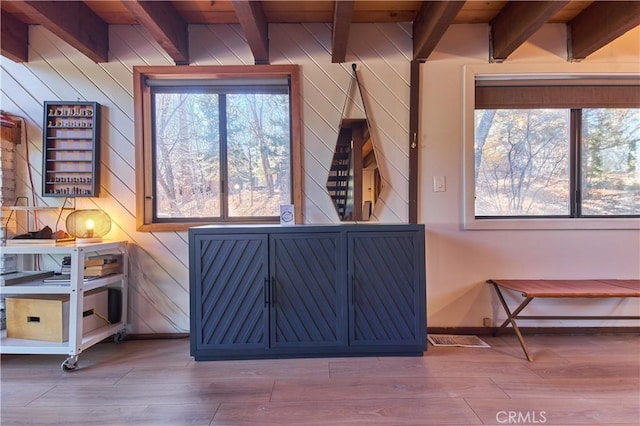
(529, 71)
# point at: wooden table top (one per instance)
(571, 288)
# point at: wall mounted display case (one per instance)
(71, 149)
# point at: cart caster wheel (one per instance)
(119, 337)
(69, 365)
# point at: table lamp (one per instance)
(88, 226)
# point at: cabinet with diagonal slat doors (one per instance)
(270, 291)
(386, 290)
(229, 311)
(307, 293)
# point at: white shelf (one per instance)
(59, 248)
(75, 289)
(61, 287)
(31, 208)
(102, 281)
(12, 345)
(36, 287)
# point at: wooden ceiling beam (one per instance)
(165, 25)
(15, 38)
(599, 24)
(342, 18)
(516, 22)
(256, 28)
(432, 20)
(73, 22)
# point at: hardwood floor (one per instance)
(575, 380)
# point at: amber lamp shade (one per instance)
(88, 225)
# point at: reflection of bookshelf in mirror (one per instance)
(71, 149)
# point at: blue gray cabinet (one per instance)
(276, 291)
(387, 289)
(230, 292)
(306, 291)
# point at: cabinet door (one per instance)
(229, 292)
(387, 292)
(308, 306)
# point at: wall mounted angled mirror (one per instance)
(354, 182)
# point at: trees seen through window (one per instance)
(216, 144)
(557, 162)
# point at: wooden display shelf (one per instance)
(72, 130)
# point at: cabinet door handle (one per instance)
(273, 291)
(265, 289)
(353, 290)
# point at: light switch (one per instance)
(439, 184)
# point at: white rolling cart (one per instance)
(75, 288)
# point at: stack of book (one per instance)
(96, 266)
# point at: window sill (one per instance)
(169, 226)
(551, 224)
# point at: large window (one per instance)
(557, 162)
(218, 145)
(555, 149)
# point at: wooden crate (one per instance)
(46, 317)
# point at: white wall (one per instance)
(159, 276)
(459, 261)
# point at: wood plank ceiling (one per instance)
(85, 24)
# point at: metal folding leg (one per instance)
(511, 318)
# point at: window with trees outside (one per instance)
(217, 145)
(549, 149)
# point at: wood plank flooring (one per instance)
(575, 380)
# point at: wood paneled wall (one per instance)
(159, 279)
